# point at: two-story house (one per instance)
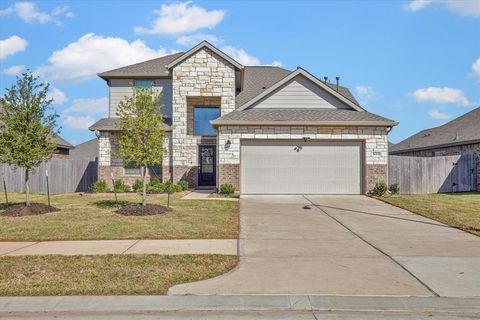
(264, 129)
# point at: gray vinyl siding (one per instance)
(121, 88)
(300, 93)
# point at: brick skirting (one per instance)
(229, 173)
(375, 173)
(188, 173)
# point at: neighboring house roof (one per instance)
(202, 45)
(151, 68)
(113, 124)
(330, 117)
(462, 130)
(62, 143)
(301, 72)
(86, 150)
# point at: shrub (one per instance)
(172, 188)
(394, 188)
(380, 189)
(183, 184)
(138, 186)
(99, 186)
(227, 188)
(119, 186)
(155, 186)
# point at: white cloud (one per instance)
(28, 12)
(366, 94)
(89, 106)
(460, 7)
(84, 112)
(182, 17)
(436, 114)
(90, 54)
(196, 38)
(476, 67)
(11, 46)
(241, 56)
(441, 95)
(277, 64)
(14, 70)
(80, 122)
(57, 95)
(417, 5)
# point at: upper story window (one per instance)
(201, 120)
(144, 83)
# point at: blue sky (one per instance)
(417, 62)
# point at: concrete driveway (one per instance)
(345, 245)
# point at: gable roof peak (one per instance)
(302, 72)
(202, 45)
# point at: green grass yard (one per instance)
(94, 217)
(460, 210)
(106, 274)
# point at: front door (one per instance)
(206, 166)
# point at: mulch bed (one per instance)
(139, 210)
(20, 210)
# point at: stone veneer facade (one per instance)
(375, 147)
(202, 79)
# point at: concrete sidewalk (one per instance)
(97, 247)
(435, 305)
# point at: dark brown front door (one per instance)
(206, 166)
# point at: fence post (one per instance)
(5, 190)
(48, 187)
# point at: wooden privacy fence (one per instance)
(455, 173)
(65, 175)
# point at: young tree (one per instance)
(143, 132)
(26, 126)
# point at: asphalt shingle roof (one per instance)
(150, 68)
(113, 124)
(86, 150)
(462, 130)
(60, 142)
(300, 116)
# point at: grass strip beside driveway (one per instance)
(106, 274)
(461, 210)
(95, 218)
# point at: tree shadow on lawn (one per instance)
(109, 204)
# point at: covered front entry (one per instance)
(206, 166)
(301, 167)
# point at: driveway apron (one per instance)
(288, 245)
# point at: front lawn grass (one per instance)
(461, 210)
(95, 217)
(106, 274)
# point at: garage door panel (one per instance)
(298, 167)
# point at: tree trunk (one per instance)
(27, 187)
(144, 192)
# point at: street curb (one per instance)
(239, 303)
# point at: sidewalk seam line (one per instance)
(373, 246)
(18, 249)
(131, 246)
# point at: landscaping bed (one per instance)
(21, 210)
(85, 218)
(461, 210)
(137, 209)
(106, 274)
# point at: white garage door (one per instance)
(298, 167)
